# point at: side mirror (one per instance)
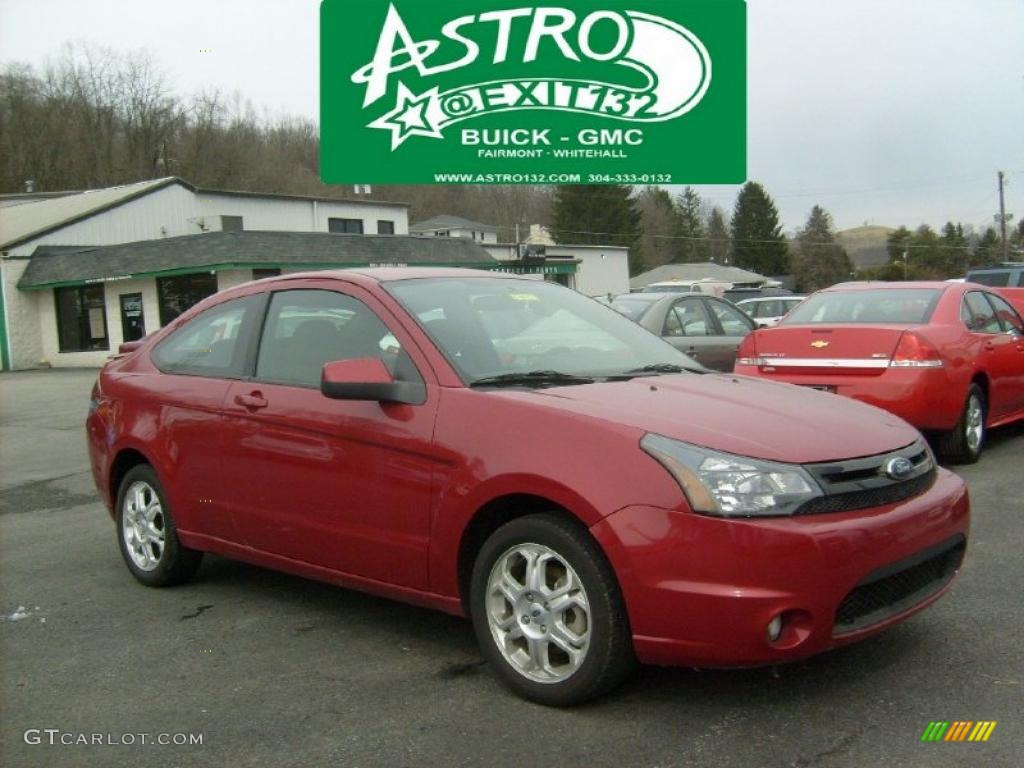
(367, 378)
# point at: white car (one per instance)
(769, 310)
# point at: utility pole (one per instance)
(1002, 217)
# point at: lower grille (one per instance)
(899, 587)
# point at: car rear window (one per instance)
(995, 278)
(632, 308)
(885, 305)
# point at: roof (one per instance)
(36, 217)
(52, 266)
(19, 223)
(697, 271)
(390, 274)
(444, 221)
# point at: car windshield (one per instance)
(884, 305)
(493, 327)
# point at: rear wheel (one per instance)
(963, 443)
(147, 534)
(548, 613)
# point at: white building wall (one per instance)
(281, 214)
(601, 270)
(22, 308)
(167, 212)
(50, 342)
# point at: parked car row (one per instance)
(586, 493)
(512, 451)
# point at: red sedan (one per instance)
(513, 451)
(947, 357)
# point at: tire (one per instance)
(147, 535)
(963, 444)
(527, 629)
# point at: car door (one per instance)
(690, 329)
(198, 362)
(731, 325)
(1012, 350)
(341, 484)
(997, 353)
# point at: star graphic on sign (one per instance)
(412, 116)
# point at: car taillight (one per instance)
(746, 354)
(914, 352)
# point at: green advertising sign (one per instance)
(496, 91)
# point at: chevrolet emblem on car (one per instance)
(819, 344)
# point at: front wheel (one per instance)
(548, 612)
(147, 534)
(963, 443)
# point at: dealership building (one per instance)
(82, 272)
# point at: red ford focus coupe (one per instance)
(947, 357)
(513, 451)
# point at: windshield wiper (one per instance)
(666, 368)
(531, 378)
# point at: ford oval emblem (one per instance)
(899, 468)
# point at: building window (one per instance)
(230, 223)
(81, 318)
(442, 233)
(179, 293)
(385, 227)
(259, 274)
(345, 226)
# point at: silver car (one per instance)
(706, 328)
(767, 311)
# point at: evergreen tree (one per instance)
(691, 245)
(820, 261)
(718, 237)
(659, 223)
(988, 250)
(757, 240)
(927, 252)
(587, 214)
(898, 245)
(955, 253)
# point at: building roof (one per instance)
(52, 266)
(445, 221)
(699, 271)
(37, 216)
(19, 223)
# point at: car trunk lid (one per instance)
(855, 350)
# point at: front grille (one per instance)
(876, 497)
(899, 587)
(862, 483)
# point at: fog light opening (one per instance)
(774, 629)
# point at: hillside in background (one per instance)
(865, 245)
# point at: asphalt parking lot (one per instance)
(276, 671)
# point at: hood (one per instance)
(736, 414)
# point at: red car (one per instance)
(513, 451)
(947, 357)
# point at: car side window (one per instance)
(212, 343)
(731, 319)
(981, 317)
(1007, 315)
(305, 329)
(687, 318)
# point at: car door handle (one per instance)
(989, 345)
(253, 401)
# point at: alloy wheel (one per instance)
(538, 613)
(142, 522)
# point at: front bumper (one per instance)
(701, 591)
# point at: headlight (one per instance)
(732, 486)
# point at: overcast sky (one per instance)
(884, 111)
